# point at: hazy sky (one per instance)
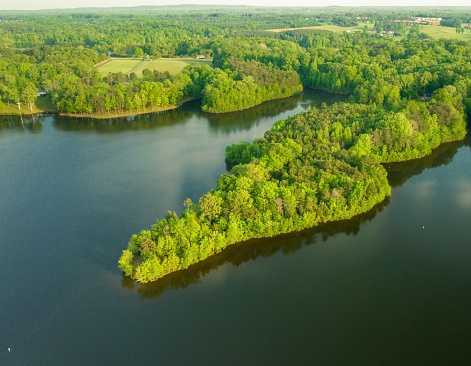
(53, 4)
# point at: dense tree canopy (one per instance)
(58, 52)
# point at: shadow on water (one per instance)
(148, 121)
(226, 123)
(240, 253)
(244, 120)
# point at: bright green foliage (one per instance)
(210, 206)
(125, 262)
(315, 167)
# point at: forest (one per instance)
(58, 51)
(407, 94)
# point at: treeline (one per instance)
(248, 70)
(72, 95)
(242, 85)
(186, 31)
(384, 71)
(23, 72)
(76, 87)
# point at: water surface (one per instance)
(391, 287)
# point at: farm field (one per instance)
(433, 31)
(172, 65)
(437, 32)
(278, 30)
(126, 66)
(331, 28)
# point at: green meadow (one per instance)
(438, 32)
(127, 66)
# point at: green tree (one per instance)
(188, 203)
(210, 206)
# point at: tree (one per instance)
(188, 203)
(138, 52)
(210, 206)
(125, 262)
(29, 95)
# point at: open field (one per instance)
(278, 30)
(172, 65)
(126, 66)
(331, 28)
(433, 31)
(437, 32)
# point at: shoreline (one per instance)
(123, 114)
(47, 108)
(37, 111)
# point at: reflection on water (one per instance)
(226, 123)
(245, 120)
(148, 121)
(399, 173)
(290, 243)
(32, 123)
(240, 253)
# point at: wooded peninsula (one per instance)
(408, 92)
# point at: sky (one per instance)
(61, 4)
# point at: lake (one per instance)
(390, 287)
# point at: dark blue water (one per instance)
(391, 287)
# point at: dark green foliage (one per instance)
(252, 83)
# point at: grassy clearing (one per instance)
(172, 65)
(331, 28)
(338, 29)
(433, 31)
(438, 32)
(278, 30)
(126, 66)
(43, 105)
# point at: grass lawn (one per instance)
(331, 28)
(172, 65)
(437, 32)
(433, 31)
(42, 105)
(290, 29)
(126, 66)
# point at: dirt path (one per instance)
(138, 67)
